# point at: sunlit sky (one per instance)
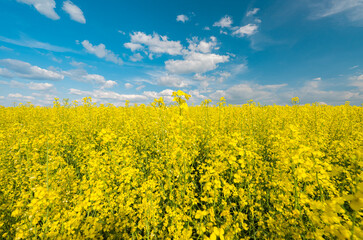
(112, 51)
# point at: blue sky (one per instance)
(112, 51)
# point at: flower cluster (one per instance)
(88, 171)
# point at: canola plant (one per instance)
(88, 171)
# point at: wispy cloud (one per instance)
(252, 12)
(31, 43)
(3, 48)
(352, 9)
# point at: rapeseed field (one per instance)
(213, 171)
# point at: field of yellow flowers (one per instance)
(88, 171)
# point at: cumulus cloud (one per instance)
(44, 99)
(101, 52)
(182, 18)
(172, 81)
(136, 57)
(31, 85)
(225, 21)
(165, 94)
(74, 11)
(44, 7)
(357, 81)
(195, 62)
(316, 91)
(81, 75)
(18, 96)
(246, 30)
(5, 73)
(155, 43)
(21, 69)
(239, 31)
(108, 95)
(252, 12)
(241, 93)
(133, 46)
(202, 46)
(39, 86)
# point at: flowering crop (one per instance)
(219, 171)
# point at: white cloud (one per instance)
(223, 32)
(102, 94)
(44, 99)
(13, 84)
(133, 46)
(200, 77)
(172, 81)
(39, 86)
(222, 76)
(182, 18)
(140, 87)
(19, 96)
(202, 46)
(31, 43)
(3, 48)
(239, 68)
(165, 94)
(252, 12)
(31, 85)
(101, 52)
(2, 97)
(246, 30)
(5, 73)
(357, 81)
(74, 11)
(155, 43)
(314, 91)
(206, 28)
(122, 32)
(241, 93)
(225, 21)
(77, 64)
(128, 85)
(136, 57)
(82, 76)
(352, 8)
(26, 70)
(195, 62)
(45, 7)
